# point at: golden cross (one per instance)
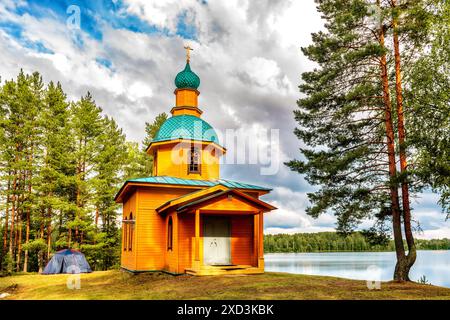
(188, 49)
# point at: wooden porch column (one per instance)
(197, 239)
(261, 240)
(256, 238)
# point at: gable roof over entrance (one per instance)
(207, 196)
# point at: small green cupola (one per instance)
(187, 79)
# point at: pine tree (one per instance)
(151, 129)
(136, 165)
(61, 164)
(87, 128)
(140, 163)
(21, 101)
(4, 185)
(57, 166)
(347, 119)
(32, 156)
(409, 23)
(109, 163)
(343, 118)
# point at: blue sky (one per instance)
(127, 53)
(95, 14)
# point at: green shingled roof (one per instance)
(186, 127)
(195, 182)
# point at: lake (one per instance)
(434, 265)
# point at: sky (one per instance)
(246, 53)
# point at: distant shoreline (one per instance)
(334, 242)
(368, 251)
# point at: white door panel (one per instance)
(216, 241)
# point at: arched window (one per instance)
(130, 232)
(169, 234)
(194, 160)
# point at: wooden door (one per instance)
(216, 241)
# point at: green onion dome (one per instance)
(187, 79)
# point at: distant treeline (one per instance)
(332, 241)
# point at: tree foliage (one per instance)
(429, 99)
(61, 164)
(356, 117)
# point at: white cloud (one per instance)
(440, 233)
(291, 215)
(138, 90)
(265, 74)
(161, 13)
(247, 54)
(310, 229)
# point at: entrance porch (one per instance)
(215, 231)
(227, 243)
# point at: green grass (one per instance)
(116, 284)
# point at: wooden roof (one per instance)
(166, 181)
(203, 197)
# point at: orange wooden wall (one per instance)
(242, 240)
(149, 243)
(186, 234)
(150, 234)
(173, 162)
(232, 204)
(128, 258)
(171, 256)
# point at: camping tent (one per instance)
(67, 261)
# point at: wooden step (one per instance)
(191, 272)
(225, 270)
(232, 267)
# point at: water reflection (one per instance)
(435, 265)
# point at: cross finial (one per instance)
(188, 49)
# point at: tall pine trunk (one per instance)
(27, 227)
(69, 238)
(96, 217)
(390, 140)
(41, 236)
(28, 213)
(78, 200)
(5, 230)
(13, 218)
(411, 257)
(19, 242)
(49, 232)
(27, 240)
(21, 200)
(96, 222)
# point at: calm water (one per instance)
(435, 265)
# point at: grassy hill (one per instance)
(116, 284)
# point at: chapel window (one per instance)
(194, 160)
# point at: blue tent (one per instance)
(67, 261)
